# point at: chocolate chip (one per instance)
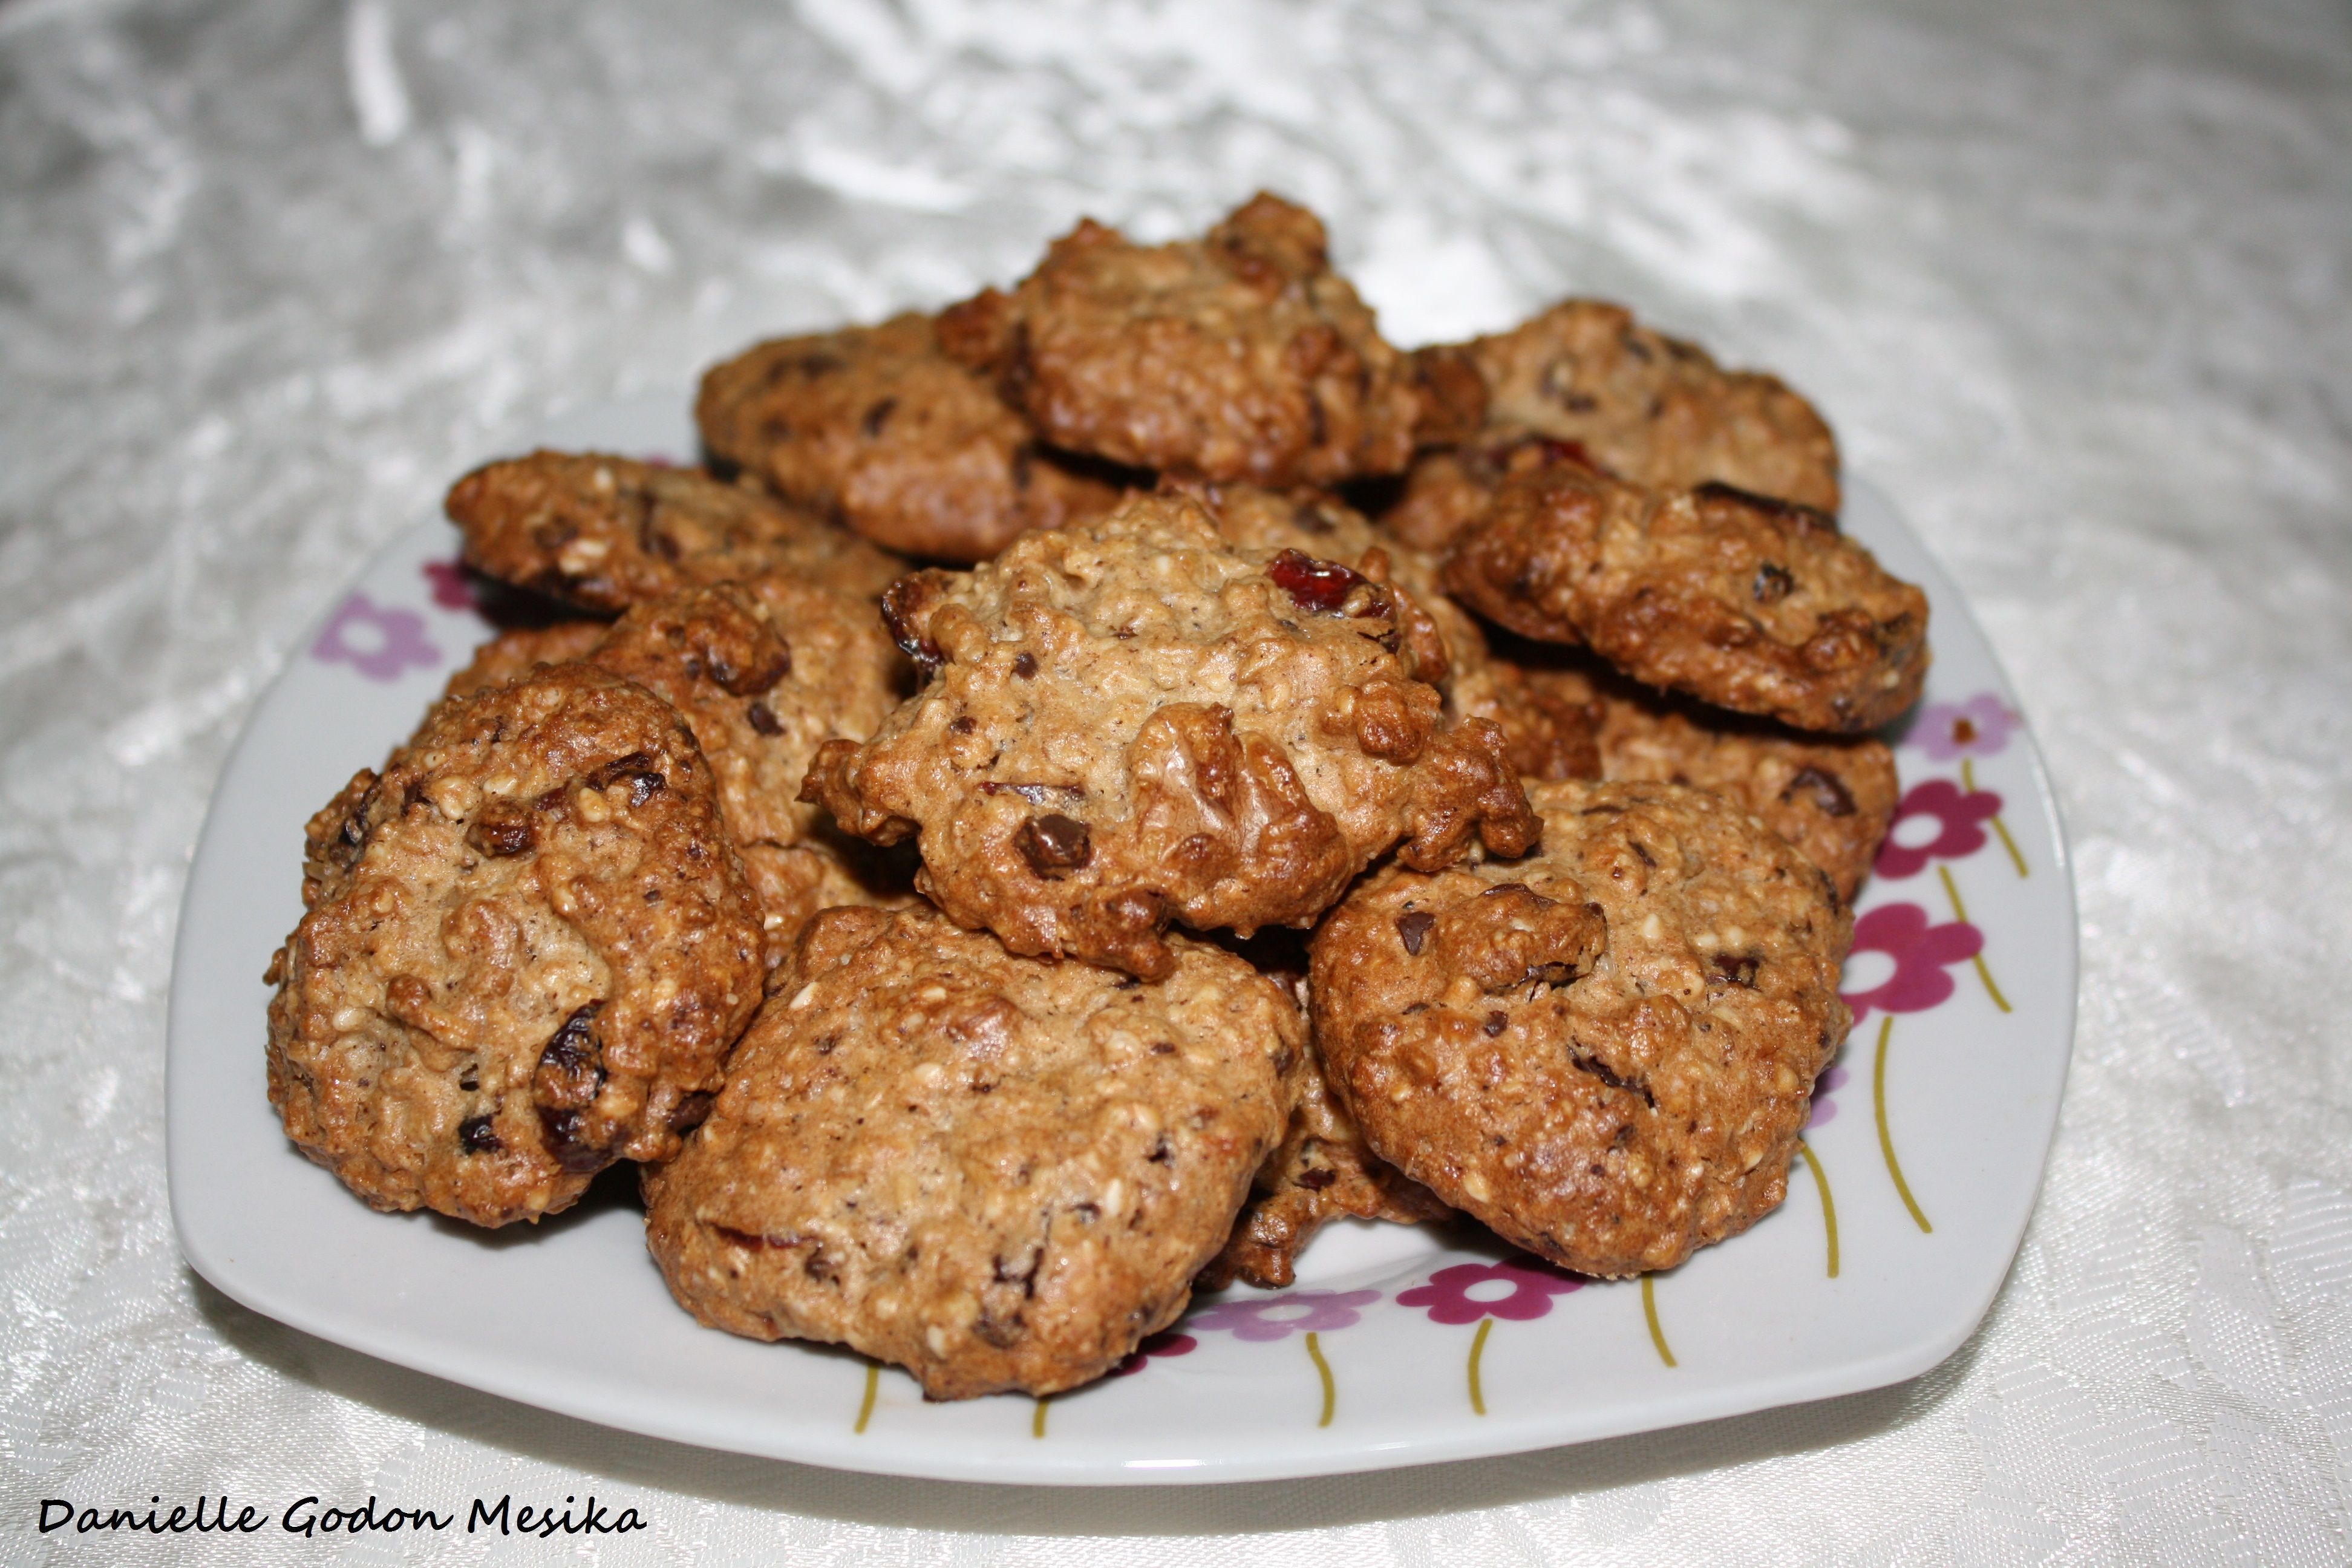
(1024, 667)
(878, 416)
(1414, 928)
(763, 718)
(502, 829)
(1054, 844)
(1316, 1180)
(1739, 969)
(964, 726)
(475, 1137)
(1496, 1024)
(1829, 792)
(1772, 584)
(1642, 853)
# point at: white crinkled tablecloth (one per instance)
(2074, 282)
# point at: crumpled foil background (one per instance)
(2074, 282)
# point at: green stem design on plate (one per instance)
(1037, 1421)
(1829, 1209)
(1331, 1390)
(1649, 1311)
(873, 1386)
(2016, 855)
(1478, 1348)
(1886, 1139)
(1960, 914)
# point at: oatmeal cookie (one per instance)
(520, 649)
(1604, 1051)
(1322, 1171)
(1449, 489)
(995, 1173)
(879, 426)
(601, 533)
(1132, 720)
(1238, 357)
(764, 673)
(1653, 409)
(528, 949)
(1753, 604)
(1442, 637)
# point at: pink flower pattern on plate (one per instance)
(1977, 727)
(1262, 1318)
(1532, 1284)
(1825, 1089)
(1166, 1343)
(452, 589)
(1961, 817)
(377, 640)
(1923, 954)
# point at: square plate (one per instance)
(1398, 1347)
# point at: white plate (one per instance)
(1385, 1354)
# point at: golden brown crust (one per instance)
(1238, 357)
(600, 532)
(1133, 720)
(764, 673)
(995, 1173)
(527, 950)
(519, 650)
(1442, 638)
(1604, 1051)
(1323, 1171)
(1757, 606)
(877, 426)
(1654, 409)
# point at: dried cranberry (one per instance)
(1321, 586)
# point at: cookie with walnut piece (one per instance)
(879, 426)
(600, 532)
(1240, 355)
(995, 1173)
(1832, 796)
(1132, 720)
(529, 946)
(1605, 1051)
(1650, 408)
(1759, 606)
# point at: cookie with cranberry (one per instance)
(1604, 1051)
(879, 426)
(600, 533)
(1754, 604)
(1132, 720)
(529, 946)
(764, 673)
(1654, 409)
(1240, 355)
(1444, 639)
(998, 1174)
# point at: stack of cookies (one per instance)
(897, 837)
